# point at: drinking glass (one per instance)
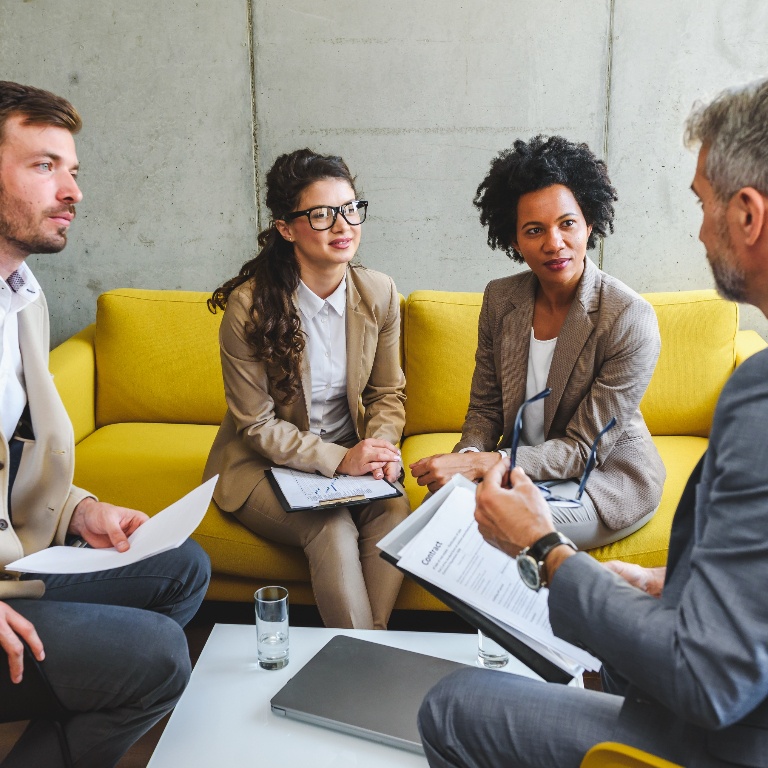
(489, 653)
(272, 627)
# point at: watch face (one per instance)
(528, 569)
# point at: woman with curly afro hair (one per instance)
(566, 325)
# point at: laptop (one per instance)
(364, 689)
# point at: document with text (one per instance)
(299, 491)
(449, 552)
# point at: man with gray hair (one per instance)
(685, 647)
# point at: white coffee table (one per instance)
(224, 717)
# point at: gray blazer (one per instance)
(693, 664)
(604, 358)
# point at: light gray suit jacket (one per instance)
(604, 358)
(259, 432)
(43, 495)
(694, 664)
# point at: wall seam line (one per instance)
(254, 124)
(606, 120)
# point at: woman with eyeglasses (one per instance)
(566, 325)
(310, 357)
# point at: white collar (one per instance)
(26, 295)
(310, 303)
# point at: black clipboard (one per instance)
(348, 501)
(391, 544)
(531, 658)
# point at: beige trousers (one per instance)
(353, 586)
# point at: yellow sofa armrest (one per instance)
(73, 365)
(610, 754)
(747, 343)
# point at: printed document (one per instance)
(168, 529)
(303, 490)
(450, 552)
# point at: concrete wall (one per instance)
(166, 152)
(418, 97)
(666, 56)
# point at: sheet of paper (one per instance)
(165, 530)
(305, 489)
(561, 660)
(451, 553)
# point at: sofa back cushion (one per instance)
(698, 354)
(698, 336)
(157, 358)
(440, 339)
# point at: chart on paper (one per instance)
(304, 489)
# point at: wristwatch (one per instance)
(530, 561)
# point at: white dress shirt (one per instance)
(13, 395)
(324, 323)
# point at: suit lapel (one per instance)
(306, 376)
(516, 336)
(50, 421)
(356, 345)
(577, 328)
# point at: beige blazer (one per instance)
(258, 432)
(604, 358)
(43, 495)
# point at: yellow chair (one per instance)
(610, 754)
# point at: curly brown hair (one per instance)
(536, 164)
(275, 333)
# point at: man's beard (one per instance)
(18, 228)
(730, 280)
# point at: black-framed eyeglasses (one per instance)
(563, 501)
(322, 217)
(551, 498)
(519, 426)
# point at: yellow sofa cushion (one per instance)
(149, 466)
(440, 330)
(698, 354)
(649, 545)
(157, 358)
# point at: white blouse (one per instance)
(323, 321)
(539, 362)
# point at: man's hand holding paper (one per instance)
(105, 525)
(168, 529)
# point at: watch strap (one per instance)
(541, 548)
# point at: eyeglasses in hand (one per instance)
(322, 217)
(551, 498)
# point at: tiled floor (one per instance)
(240, 613)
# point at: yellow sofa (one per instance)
(143, 388)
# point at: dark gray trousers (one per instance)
(115, 654)
(483, 718)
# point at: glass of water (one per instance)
(489, 653)
(272, 627)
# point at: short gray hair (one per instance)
(734, 127)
